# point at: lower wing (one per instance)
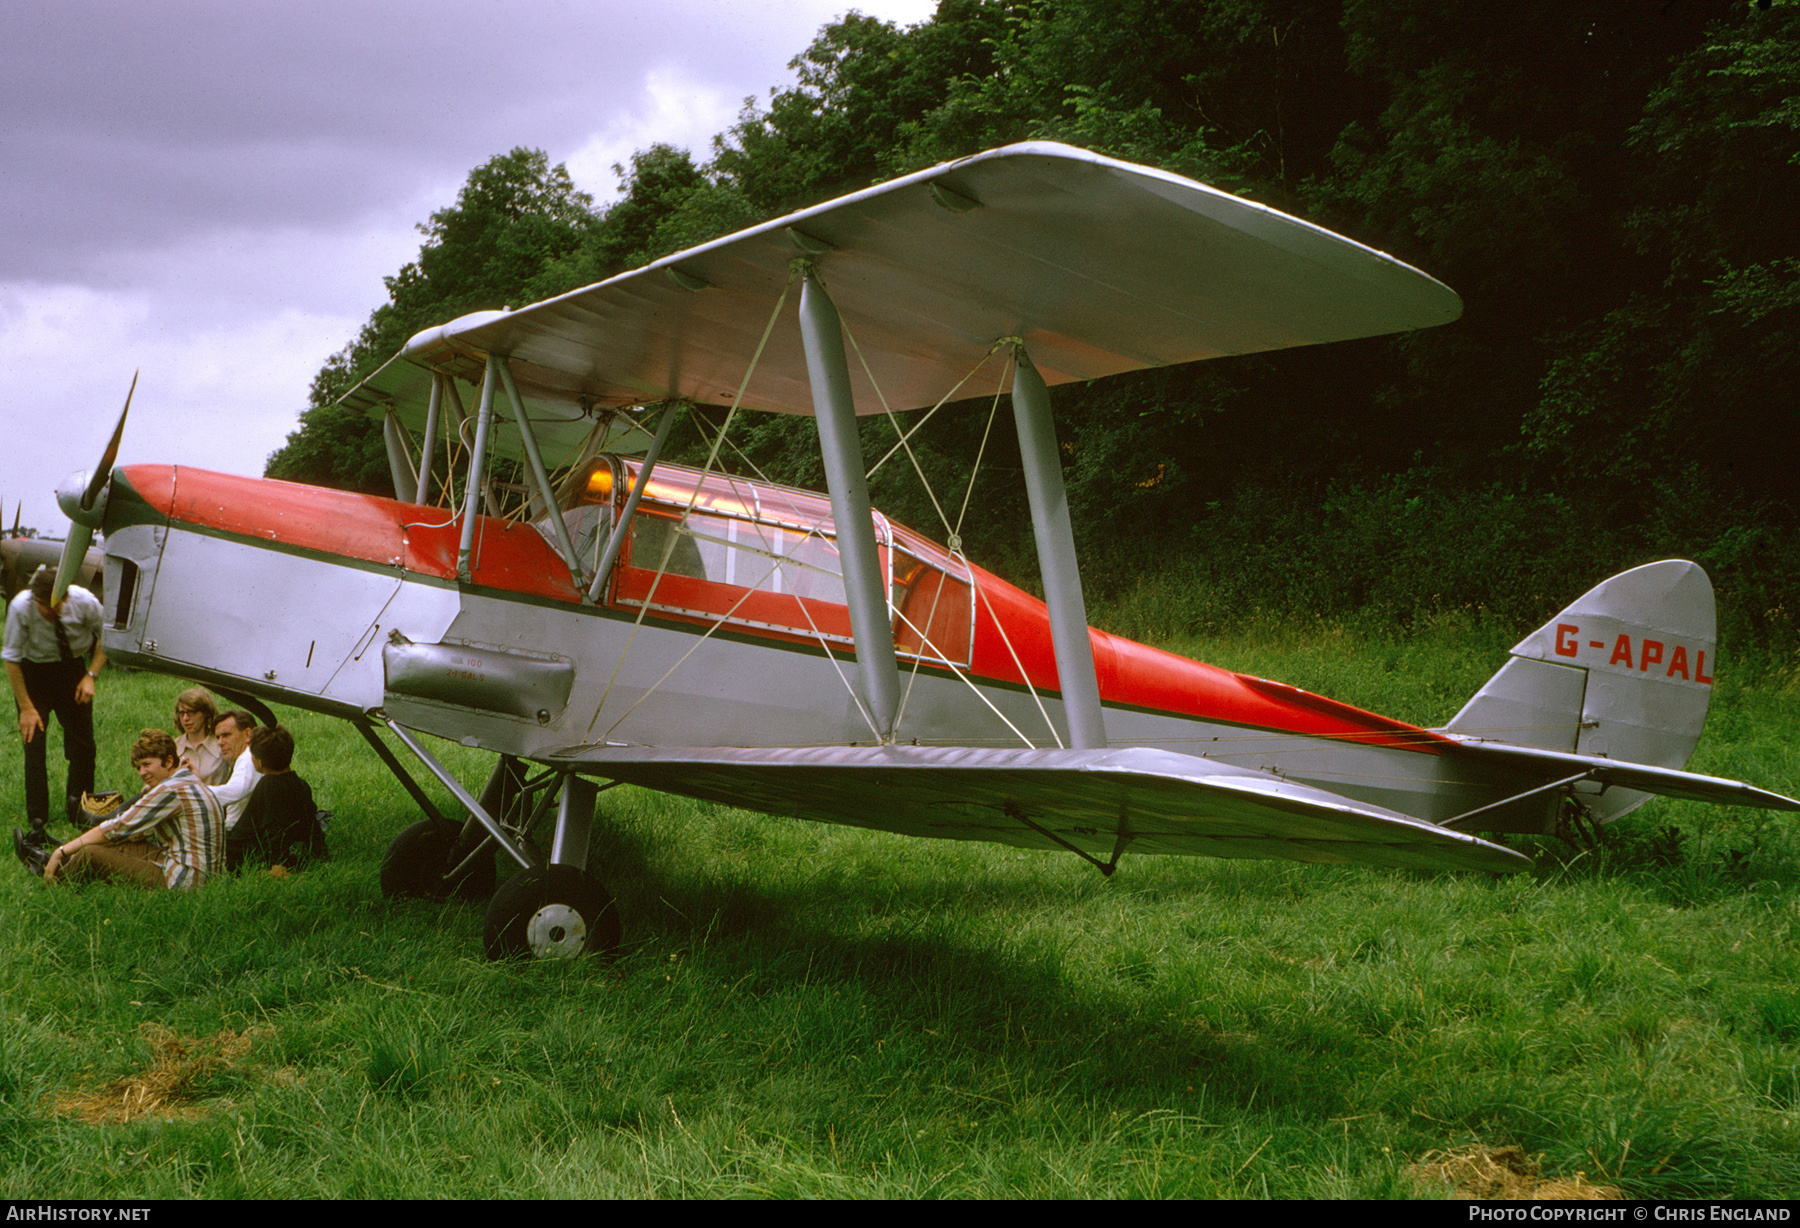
(1099, 803)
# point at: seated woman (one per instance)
(172, 836)
(195, 746)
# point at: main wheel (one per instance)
(415, 863)
(551, 912)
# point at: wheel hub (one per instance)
(556, 931)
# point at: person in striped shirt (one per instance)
(173, 836)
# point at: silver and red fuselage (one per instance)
(718, 628)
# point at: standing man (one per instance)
(53, 656)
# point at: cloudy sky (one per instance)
(211, 193)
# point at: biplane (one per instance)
(547, 588)
(22, 554)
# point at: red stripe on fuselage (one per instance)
(371, 529)
(1140, 676)
(516, 558)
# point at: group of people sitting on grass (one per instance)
(221, 795)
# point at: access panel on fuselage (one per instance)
(270, 617)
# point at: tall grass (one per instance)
(804, 1010)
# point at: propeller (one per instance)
(82, 497)
(18, 512)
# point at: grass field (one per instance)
(804, 1011)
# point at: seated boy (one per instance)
(280, 824)
(172, 836)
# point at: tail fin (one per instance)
(1624, 673)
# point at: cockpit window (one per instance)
(748, 559)
(760, 556)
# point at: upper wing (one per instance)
(1146, 801)
(1099, 265)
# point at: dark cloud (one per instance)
(145, 124)
(211, 192)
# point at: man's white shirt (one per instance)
(234, 793)
(31, 637)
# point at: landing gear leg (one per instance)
(435, 860)
(556, 911)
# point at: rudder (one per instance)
(1625, 672)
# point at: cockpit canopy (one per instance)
(759, 556)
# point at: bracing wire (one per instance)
(1010, 346)
(712, 457)
(716, 624)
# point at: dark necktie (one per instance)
(62, 636)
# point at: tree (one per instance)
(516, 217)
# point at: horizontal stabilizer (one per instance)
(1641, 777)
(1098, 801)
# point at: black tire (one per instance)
(551, 912)
(414, 865)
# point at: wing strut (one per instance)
(454, 437)
(477, 478)
(400, 466)
(1056, 556)
(621, 530)
(433, 411)
(552, 505)
(822, 334)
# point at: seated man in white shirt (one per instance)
(233, 732)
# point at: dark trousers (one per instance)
(52, 690)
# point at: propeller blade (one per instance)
(81, 502)
(74, 554)
(18, 511)
(103, 471)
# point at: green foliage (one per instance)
(514, 218)
(334, 447)
(863, 87)
(1760, 289)
(667, 205)
(515, 215)
(1690, 374)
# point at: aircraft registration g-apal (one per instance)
(610, 619)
